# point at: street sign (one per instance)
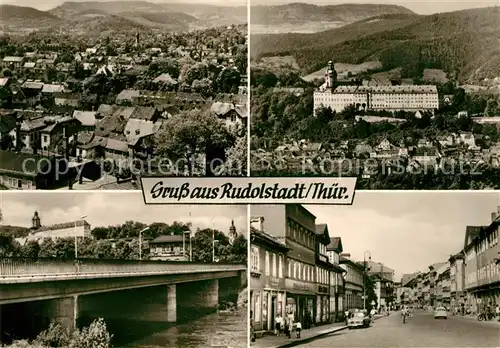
(373, 303)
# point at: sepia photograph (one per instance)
(395, 269)
(401, 94)
(96, 94)
(102, 269)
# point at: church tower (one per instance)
(232, 233)
(330, 75)
(36, 222)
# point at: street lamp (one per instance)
(76, 235)
(364, 280)
(140, 241)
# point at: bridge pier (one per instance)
(65, 311)
(171, 303)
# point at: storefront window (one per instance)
(257, 307)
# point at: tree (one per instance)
(9, 247)
(202, 244)
(236, 158)
(186, 136)
(47, 248)
(369, 292)
(238, 251)
(30, 249)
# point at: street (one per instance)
(422, 330)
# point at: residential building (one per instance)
(323, 269)
(337, 288)
(267, 278)
(389, 98)
(354, 284)
(78, 229)
(295, 226)
(457, 279)
(443, 286)
(433, 278)
(170, 247)
(482, 273)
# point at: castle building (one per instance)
(78, 228)
(389, 98)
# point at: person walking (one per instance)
(278, 324)
(347, 315)
(298, 329)
(497, 312)
(290, 324)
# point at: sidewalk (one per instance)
(474, 317)
(273, 341)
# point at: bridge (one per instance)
(35, 292)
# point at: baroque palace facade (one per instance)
(389, 98)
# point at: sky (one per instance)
(45, 5)
(107, 208)
(419, 6)
(407, 231)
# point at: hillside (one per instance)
(465, 43)
(269, 43)
(69, 9)
(24, 13)
(15, 231)
(296, 12)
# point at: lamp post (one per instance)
(364, 275)
(76, 235)
(140, 241)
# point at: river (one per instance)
(228, 330)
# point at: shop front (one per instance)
(301, 301)
(322, 304)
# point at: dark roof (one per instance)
(322, 231)
(471, 232)
(356, 265)
(335, 245)
(168, 239)
(11, 161)
(143, 113)
(264, 238)
(63, 225)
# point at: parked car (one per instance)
(359, 320)
(440, 313)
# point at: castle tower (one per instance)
(36, 222)
(330, 75)
(232, 233)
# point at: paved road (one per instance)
(422, 330)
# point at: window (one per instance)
(280, 266)
(274, 265)
(267, 271)
(19, 184)
(255, 259)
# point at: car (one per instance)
(359, 320)
(440, 313)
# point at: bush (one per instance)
(55, 336)
(94, 336)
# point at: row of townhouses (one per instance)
(297, 266)
(468, 280)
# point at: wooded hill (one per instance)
(462, 43)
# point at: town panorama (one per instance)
(95, 95)
(400, 98)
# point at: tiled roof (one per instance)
(415, 89)
(127, 94)
(136, 129)
(106, 110)
(32, 85)
(165, 78)
(143, 113)
(116, 145)
(335, 245)
(49, 88)
(115, 123)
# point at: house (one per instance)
(446, 140)
(385, 150)
(90, 145)
(136, 131)
(230, 113)
(27, 135)
(170, 248)
(117, 149)
(127, 95)
(52, 89)
(32, 88)
(105, 110)
(467, 139)
(4, 81)
(52, 135)
(146, 113)
(165, 79)
(114, 124)
(67, 99)
(12, 61)
(426, 155)
(21, 171)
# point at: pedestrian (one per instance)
(278, 324)
(299, 329)
(286, 326)
(252, 332)
(347, 315)
(497, 312)
(290, 324)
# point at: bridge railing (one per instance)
(28, 267)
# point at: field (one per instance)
(435, 76)
(277, 63)
(342, 69)
(303, 27)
